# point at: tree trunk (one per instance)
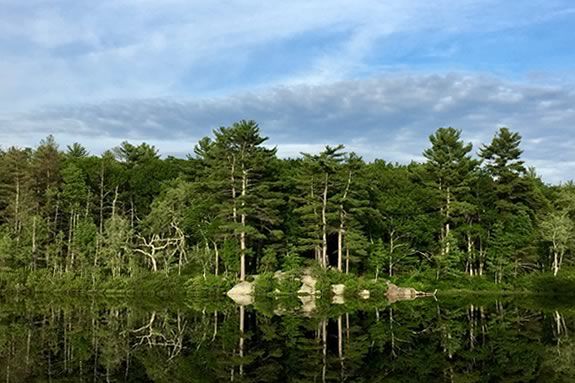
(324, 261)
(340, 346)
(340, 245)
(132, 212)
(316, 248)
(114, 201)
(17, 209)
(154, 264)
(555, 262)
(481, 257)
(217, 258)
(69, 252)
(241, 345)
(391, 250)
(34, 243)
(447, 224)
(324, 348)
(243, 230)
(341, 230)
(101, 226)
(470, 253)
(233, 185)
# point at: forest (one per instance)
(233, 208)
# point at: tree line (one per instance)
(234, 208)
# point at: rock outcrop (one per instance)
(395, 293)
(308, 304)
(364, 294)
(338, 289)
(242, 293)
(308, 283)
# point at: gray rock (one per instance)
(364, 294)
(338, 289)
(308, 285)
(242, 293)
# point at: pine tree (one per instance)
(502, 159)
(76, 203)
(516, 195)
(450, 171)
(76, 151)
(46, 165)
(16, 198)
(318, 206)
(238, 164)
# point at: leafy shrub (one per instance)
(265, 284)
(210, 285)
(289, 283)
(546, 283)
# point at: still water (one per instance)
(452, 339)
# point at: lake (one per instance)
(451, 339)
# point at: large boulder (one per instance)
(338, 289)
(242, 293)
(308, 304)
(338, 299)
(395, 293)
(307, 285)
(364, 294)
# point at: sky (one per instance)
(379, 76)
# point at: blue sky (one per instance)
(379, 76)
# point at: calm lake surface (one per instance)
(453, 339)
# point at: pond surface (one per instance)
(473, 339)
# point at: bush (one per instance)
(265, 284)
(546, 283)
(289, 283)
(210, 285)
(352, 287)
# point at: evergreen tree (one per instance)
(404, 224)
(76, 203)
(450, 171)
(76, 151)
(238, 165)
(502, 159)
(318, 208)
(517, 195)
(45, 172)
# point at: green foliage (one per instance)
(268, 261)
(210, 285)
(288, 283)
(235, 208)
(265, 284)
(547, 284)
(292, 262)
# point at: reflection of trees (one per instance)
(414, 341)
(163, 331)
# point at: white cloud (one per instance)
(87, 51)
(388, 117)
(170, 71)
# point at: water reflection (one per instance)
(449, 340)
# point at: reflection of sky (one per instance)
(366, 73)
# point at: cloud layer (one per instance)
(379, 76)
(86, 51)
(388, 117)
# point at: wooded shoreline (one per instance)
(459, 220)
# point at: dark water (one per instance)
(455, 339)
